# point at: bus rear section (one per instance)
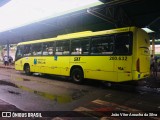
(142, 56)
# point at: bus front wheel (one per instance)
(27, 70)
(77, 75)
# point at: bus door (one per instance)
(122, 56)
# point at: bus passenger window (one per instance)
(102, 45)
(76, 47)
(27, 50)
(19, 52)
(48, 48)
(37, 49)
(85, 46)
(62, 47)
(122, 44)
(80, 47)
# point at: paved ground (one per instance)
(4, 106)
(8, 66)
(97, 108)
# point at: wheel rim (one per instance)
(77, 75)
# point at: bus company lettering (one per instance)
(77, 58)
(41, 61)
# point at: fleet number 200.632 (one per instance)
(118, 58)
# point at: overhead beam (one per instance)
(117, 2)
(113, 14)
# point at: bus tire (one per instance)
(27, 70)
(77, 75)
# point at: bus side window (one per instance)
(19, 53)
(80, 47)
(37, 49)
(122, 44)
(76, 48)
(108, 44)
(102, 45)
(45, 49)
(95, 49)
(48, 48)
(85, 44)
(62, 47)
(27, 50)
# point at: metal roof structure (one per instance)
(112, 14)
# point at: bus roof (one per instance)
(80, 35)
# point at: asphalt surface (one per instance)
(147, 106)
(4, 106)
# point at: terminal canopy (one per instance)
(17, 13)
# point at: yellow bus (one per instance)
(115, 55)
